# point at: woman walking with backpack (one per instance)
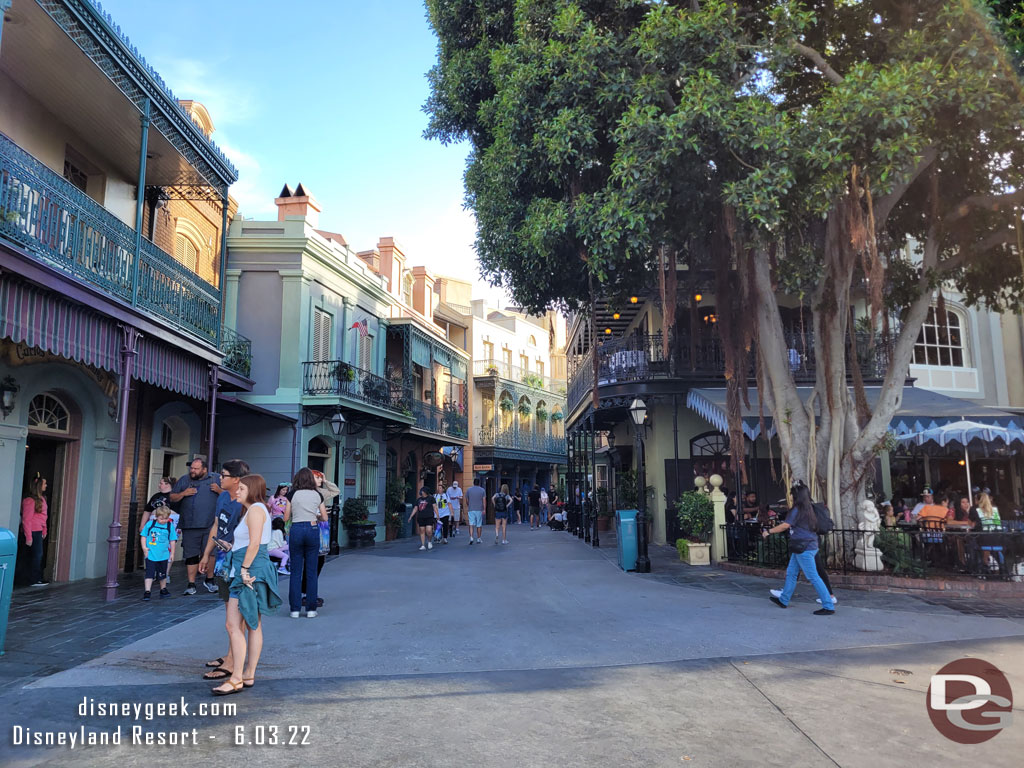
(802, 524)
(502, 505)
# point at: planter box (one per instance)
(604, 523)
(360, 536)
(699, 554)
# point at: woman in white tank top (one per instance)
(253, 589)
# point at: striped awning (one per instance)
(47, 321)
(168, 368)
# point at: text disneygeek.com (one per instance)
(150, 734)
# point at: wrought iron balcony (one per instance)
(65, 228)
(336, 377)
(522, 440)
(500, 369)
(641, 357)
(444, 421)
(237, 350)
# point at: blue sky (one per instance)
(329, 94)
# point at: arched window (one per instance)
(942, 345)
(186, 252)
(533, 341)
(710, 444)
(46, 412)
(318, 452)
(542, 415)
(525, 409)
(507, 407)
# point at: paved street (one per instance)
(541, 653)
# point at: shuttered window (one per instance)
(186, 253)
(322, 323)
(366, 353)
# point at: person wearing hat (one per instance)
(927, 499)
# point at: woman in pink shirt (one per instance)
(33, 522)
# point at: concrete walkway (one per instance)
(544, 652)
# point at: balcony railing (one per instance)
(510, 372)
(335, 377)
(65, 228)
(237, 351)
(529, 442)
(640, 357)
(444, 421)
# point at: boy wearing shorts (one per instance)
(158, 542)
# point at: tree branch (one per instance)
(885, 204)
(819, 61)
(991, 202)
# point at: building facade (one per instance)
(113, 204)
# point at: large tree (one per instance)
(850, 152)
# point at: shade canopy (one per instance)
(963, 432)
(920, 410)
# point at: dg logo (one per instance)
(969, 701)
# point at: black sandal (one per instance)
(217, 674)
(215, 662)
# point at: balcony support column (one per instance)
(214, 381)
(223, 259)
(129, 349)
(140, 200)
(593, 461)
(382, 347)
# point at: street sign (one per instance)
(483, 467)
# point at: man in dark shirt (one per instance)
(533, 497)
(195, 496)
(750, 507)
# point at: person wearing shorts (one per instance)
(502, 510)
(476, 498)
(424, 509)
(195, 495)
(533, 498)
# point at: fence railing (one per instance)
(336, 377)
(66, 229)
(237, 351)
(641, 357)
(444, 421)
(995, 554)
(522, 440)
(515, 373)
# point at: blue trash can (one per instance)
(8, 554)
(625, 533)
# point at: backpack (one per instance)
(501, 503)
(825, 523)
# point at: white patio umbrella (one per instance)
(962, 432)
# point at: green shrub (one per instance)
(683, 547)
(354, 511)
(895, 547)
(696, 515)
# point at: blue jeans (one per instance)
(303, 551)
(804, 561)
(37, 556)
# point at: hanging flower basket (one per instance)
(557, 416)
(542, 414)
(506, 406)
(524, 409)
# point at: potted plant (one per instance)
(394, 502)
(492, 369)
(344, 372)
(356, 517)
(696, 515)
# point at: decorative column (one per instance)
(382, 346)
(593, 459)
(129, 349)
(719, 553)
(346, 325)
(214, 381)
(140, 198)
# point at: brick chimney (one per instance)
(298, 203)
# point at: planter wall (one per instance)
(699, 554)
(604, 523)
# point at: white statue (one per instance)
(867, 557)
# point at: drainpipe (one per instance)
(214, 380)
(140, 198)
(128, 351)
(223, 261)
(295, 446)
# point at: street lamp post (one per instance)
(570, 479)
(337, 423)
(638, 412)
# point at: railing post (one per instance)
(140, 196)
(718, 550)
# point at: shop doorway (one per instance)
(51, 452)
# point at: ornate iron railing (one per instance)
(336, 377)
(445, 421)
(641, 357)
(237, 351)
(996, 554)
(519, 375)
(65, 228)
(522, 440)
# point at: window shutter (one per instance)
(321, 335)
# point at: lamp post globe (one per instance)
(337, 423)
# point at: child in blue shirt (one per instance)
(158, 542)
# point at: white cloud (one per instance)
(250, 190)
